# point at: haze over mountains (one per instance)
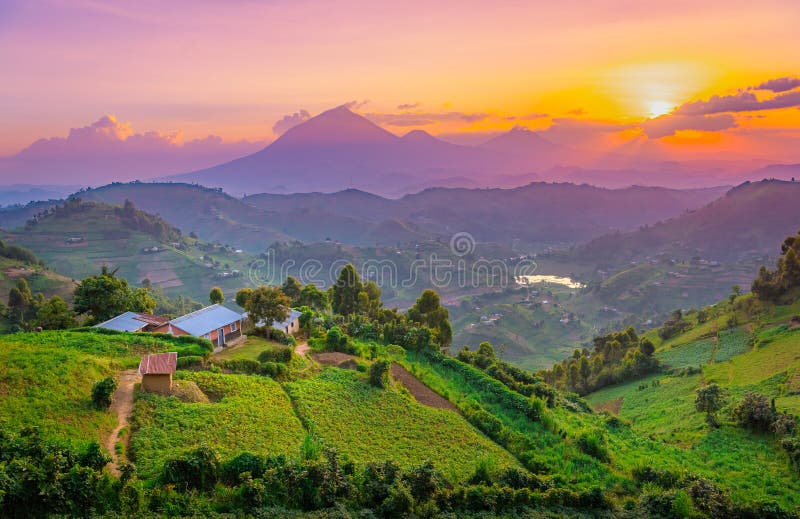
(340, 149)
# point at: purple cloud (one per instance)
(289, 121)
(739, 102)
(527, 117)
(781, 84)
(424, 119)
(407, 106)
(669, 124)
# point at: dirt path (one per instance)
(302, 348)
(333, 358)
(122, 406)
(423, 394)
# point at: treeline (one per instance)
(616, 357)
(147, 223)
(27, 310)
(322, 480)
(781, 285)
(15, 252)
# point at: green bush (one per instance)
(189, 361)
(594, 443)
(102, 391)
(275, 355)
(379, 373)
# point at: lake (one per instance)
(541, 278)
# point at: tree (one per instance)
(55, 314)
(216, 296)
(647, 347)
(291, 287)
(242, 295)
(267, 305)
(754, 412)
(19, 300)
(428, 311)
(313, 297)
(736, 291)
(709, 399)
(105, 296)
(344, 293)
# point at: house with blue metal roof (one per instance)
(216, 323)
(133, 322)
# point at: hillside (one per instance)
(79, 240)
(760, 354)
(745, 223)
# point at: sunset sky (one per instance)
(607, 73)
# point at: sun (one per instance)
(656, 108)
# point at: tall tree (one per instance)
(19, 300)
(242, 295)
(292, 288)
(105, 296)
(216, 296)
(55, 314)
(268, 304)
(428, 311)
(344, 293)
(313, 297)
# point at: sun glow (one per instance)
(657, 108)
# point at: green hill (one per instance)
(78, 238)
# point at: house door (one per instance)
(221, 337)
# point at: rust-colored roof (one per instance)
(151, 319)
(158, 364)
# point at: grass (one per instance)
(776, 351)
(695, 354)
(369, 424)
(250, 349)
(246, 413)
(50, 387)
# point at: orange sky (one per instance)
(235, 68)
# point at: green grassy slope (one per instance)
(369, 424)
(46, 379)
(246, 414)
(762, 355)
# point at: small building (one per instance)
(133, 322)
(216, 323)
(156, 371)
(291, 324)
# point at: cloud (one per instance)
(407, 106)
(356, 105)
(669, 124)
(109, 150)
(290, 121)
(781, 84)
(739, 102)
(424, 118)
(527, 117)
(577, 112)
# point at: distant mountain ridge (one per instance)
(743, 223)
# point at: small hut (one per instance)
(156, 371)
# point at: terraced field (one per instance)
(349, 414)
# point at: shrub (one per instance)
(102, 391)
(275, 355)
(246, 366)
(379, 373)
(189, 361)
(199, 470)
(593, 443)
(245, 462)
(536, 409)
(274, 370)
(754, 412)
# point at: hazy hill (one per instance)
(77, 242)
(746, 222)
